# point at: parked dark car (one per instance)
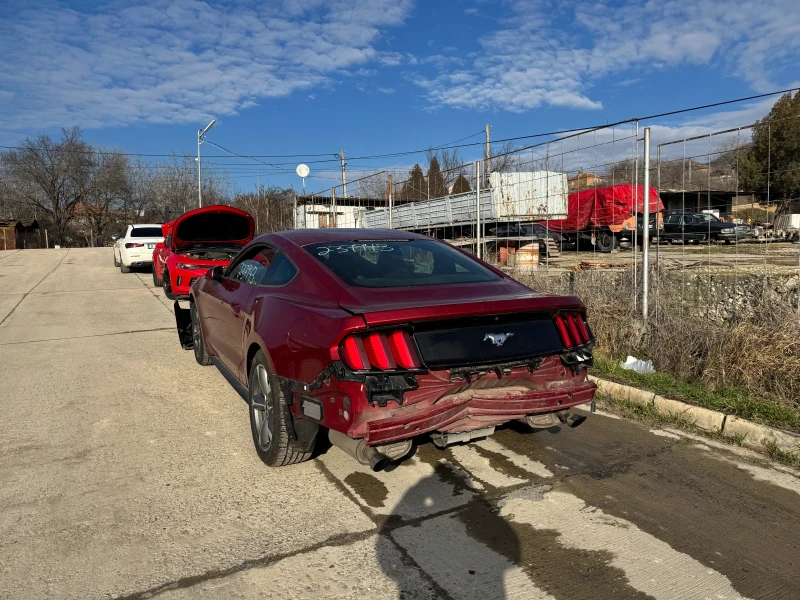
(701, 227)
(515, 235)
(380, 336)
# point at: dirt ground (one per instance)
(749, 257)
(128, 471)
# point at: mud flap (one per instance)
(183, 321)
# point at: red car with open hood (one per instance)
(196, 241)
(380, 336)
(160, 254)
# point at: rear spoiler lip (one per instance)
(550, 304)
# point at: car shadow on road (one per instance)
(466, 552)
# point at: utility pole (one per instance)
(487, 155)
(389, 216)
(479, 254)
(646, 226)
(344, 174)
(200, 134)
(333, 208)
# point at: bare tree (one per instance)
(504, 158)
(451, 163)
(105, 197)
(52, 176)
(271, 207)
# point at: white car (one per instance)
(135, 248)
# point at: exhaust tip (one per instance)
(378, 462)
(570, 419)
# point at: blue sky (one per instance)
(378, 76)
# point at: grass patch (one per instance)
(777, 454)
(730, 401)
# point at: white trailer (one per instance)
(526, 196)
(319, 216)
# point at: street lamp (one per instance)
(200, 134)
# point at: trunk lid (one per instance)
(386, 306)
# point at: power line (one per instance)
(452, 145)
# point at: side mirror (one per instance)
(115, 237)
(216, 273)
(159, 245)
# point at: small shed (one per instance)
(19, 235)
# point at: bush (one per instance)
(695, 337)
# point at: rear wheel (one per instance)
(605, 241)
(167, 285)
(269, 417)
(116, 262)
(198, 343)
(123, 268)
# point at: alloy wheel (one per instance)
(262, 407)
(196, 339)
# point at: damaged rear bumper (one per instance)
(480, 410)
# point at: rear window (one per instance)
(146, 232)
(386, 263)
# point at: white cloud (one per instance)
(126, 62)
(386, 90)
(544, 53)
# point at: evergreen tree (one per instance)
(437, 187)
(775, 152)
(415, 188)
(461, 185)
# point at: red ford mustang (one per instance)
(196, 241)
(380, 336)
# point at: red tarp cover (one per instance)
(609, 205)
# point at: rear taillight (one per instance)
(132, 245)
(573, 329)
(354, 353)
(380, 350)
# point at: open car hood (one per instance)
(216, 224)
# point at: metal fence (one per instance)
(509, 210)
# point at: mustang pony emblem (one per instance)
(498, 339)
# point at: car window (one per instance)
(150, 232)
(673, 219)
(263, 266)
(399, 263)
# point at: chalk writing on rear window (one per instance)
(357, 248)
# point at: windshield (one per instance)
(387, 263)
(147, 232)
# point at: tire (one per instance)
(116, 263)
(274, 416)
(123, 268)
(605, 241)
(198, 342)
(166, 284)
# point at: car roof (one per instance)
(135, 225)
(303, 237)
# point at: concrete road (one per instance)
(128, 471)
